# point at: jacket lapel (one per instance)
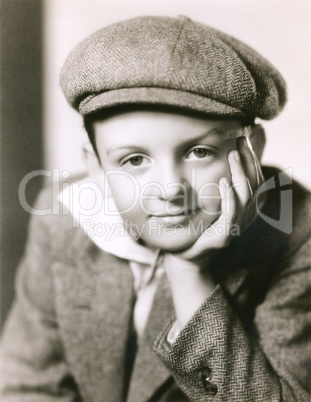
(94, 302)
(149, 372)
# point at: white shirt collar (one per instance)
(97, 215)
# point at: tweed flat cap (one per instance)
(175, 62)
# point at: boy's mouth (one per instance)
(189, 212)
(174, 218)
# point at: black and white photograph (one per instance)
(155, 206)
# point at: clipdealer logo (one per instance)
(281, 183)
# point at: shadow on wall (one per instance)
(20, 129)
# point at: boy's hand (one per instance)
(187, 270)
(238, 206)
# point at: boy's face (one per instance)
(166, 175)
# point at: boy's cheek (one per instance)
(208, 188)
(125, 191)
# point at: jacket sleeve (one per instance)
(214, 359)
(32, 363)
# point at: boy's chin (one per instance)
(176, 238)
(171, 243)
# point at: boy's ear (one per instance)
(258, 139)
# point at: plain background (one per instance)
(38, 129)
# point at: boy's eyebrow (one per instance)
(115, 148)
(224, 134)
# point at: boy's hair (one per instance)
(103, 114)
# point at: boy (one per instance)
(202, 299)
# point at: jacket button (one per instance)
(210, 388)
(205, 375)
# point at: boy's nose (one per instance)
(173, 182)
(173, 190)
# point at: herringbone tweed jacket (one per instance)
(65, 339)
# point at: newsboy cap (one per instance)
(172, 62)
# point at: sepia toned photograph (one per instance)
(155, 217)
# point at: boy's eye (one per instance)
(200, 153)
(134, 161)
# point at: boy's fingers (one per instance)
(244, 188)
(228, 204)
(214, 238)
(229, 213)
(248, 159)
(240, 183)
(262, 197)
(260, 177)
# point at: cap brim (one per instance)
(156, 96)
